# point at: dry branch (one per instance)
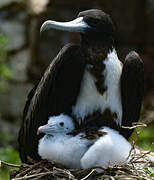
(135, 125)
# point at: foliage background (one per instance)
(24, 56)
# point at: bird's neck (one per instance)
(95, 55)
(56, 136)
(95, 52)
(96, 47)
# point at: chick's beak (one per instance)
(46, 129)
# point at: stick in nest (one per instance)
(2, 163)
(135, 125)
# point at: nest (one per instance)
(136, 169)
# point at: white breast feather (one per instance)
(90, 99)
(64, 149)
(111, 149)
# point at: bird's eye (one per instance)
(61, 124)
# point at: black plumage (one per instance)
(56, 92)
(132, 89)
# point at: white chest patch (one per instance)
(90, 100)
(67, 150)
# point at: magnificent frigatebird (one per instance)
(106, 147)
(86, 82)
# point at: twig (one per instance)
(112, 178)
(29, 169)
(136, 170)
(92, 171)
(33, 176)
(97, 167)
(9, 164)
(135, 126)
(64, 173)
(140, 157)
(108, 176)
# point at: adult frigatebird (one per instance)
(86, 82)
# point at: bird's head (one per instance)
(57, 124)
(93, 25)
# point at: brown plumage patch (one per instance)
(98, 119)
(96, 54)
(109, 115)
(92, 134)
(95, 57)
(92, 123)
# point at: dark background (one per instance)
(24, 54)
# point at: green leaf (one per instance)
(150, 170)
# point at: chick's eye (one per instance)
(61, 124)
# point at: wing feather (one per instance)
(55, 93)
(132, 89)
